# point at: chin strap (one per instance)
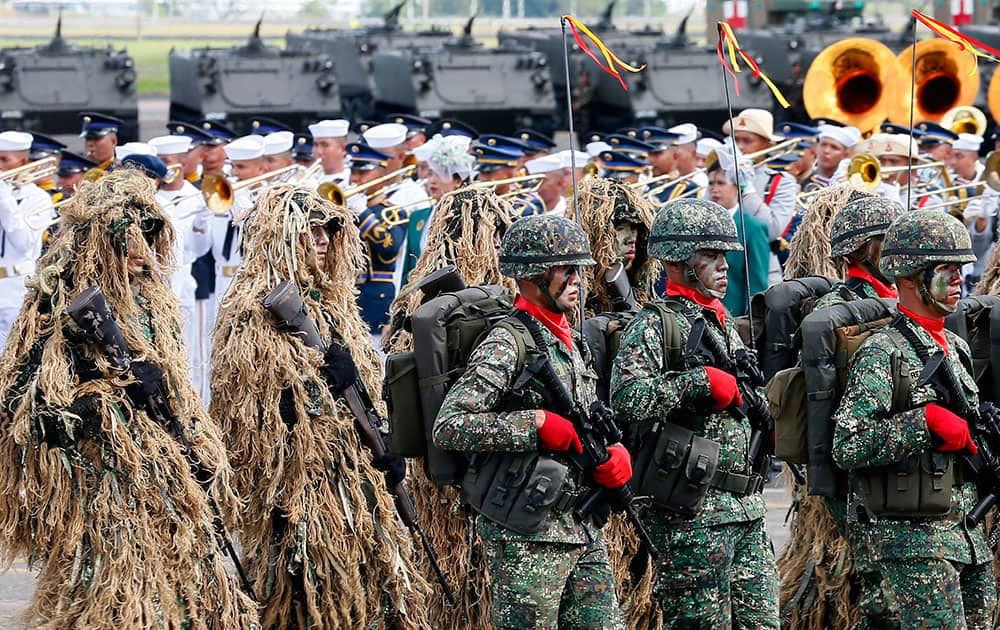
(693, 278)
(928, 299)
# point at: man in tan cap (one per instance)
(764, 192)
(896, 151)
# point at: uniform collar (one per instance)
(712, 304)
(882, 289)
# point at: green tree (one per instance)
(314, 9)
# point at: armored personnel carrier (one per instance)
(494, 89)
(44, 88)
(235, 84)
(353, 48)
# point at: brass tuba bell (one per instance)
(964, 119)
(852, 81)
(944, 78)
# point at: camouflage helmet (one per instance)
(861, 219)
(533, 244)
(922, 238)
(684, 226)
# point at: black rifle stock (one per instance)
(285, 303)
(91, 313)
(595, 428)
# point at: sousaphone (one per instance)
(944, 78)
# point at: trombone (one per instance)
(339, 196)
(30, 172)
(218, 191)
(520, 179)
(391, 214)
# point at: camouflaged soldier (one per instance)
(935, 568)
(717, 567)
(856, 238)
(547, 568)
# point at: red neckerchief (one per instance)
(933, 326)
(555, 322)
(712, 304)
(882, 289)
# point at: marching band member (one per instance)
(246, 155)
(20, 243)
(835, 145)
(100, 137)
(557, 178)
(303, 150)
(330, 146)
(72, 168)
(278, 149)
(43, 146)
(192, 238)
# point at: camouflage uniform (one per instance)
(559, 577)
(937, 570)
(717, 570)
(861, 219)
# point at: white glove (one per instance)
(746, 176)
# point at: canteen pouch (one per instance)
(786, 397)
(402, 397)
(516, 490)
(674, 468)
(920, 486)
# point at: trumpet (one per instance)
(30, 172)
(310, 172)
(339, 196)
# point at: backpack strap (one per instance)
(674, 351)
(522, 338)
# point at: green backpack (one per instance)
(446, 330)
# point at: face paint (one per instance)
(943, 287)
(709, 272)
(561, 287)
(135, 263)
(626, 236)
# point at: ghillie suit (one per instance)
(320, 535)
(465, 229)
(990, 283)
(818, 589)
(809, 250)
(96, 492)
(605, 205)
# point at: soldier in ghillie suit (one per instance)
(320, 534)
(716, 566)
(96, 491)
(616, 219)
(465, 231)
(547, 568)
(935, 568)
(809, 249)
(843, 585)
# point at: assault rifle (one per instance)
(622, 295)
(285, 303)
(749, 378)
(595, 428)
(984, 425)
(91, 313)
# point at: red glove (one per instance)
(724, 390)
(949, 432)
(615, 472)
(557, 434)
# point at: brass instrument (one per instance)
(964, 119)
(993, 96)
(944, 78)
(339, 196)
(173, 172)
(852, 81)
(94, 174)
(30, 172)
(310, 172)
(219, 192)
(989, 178)
(391, 214)
(865, 173)
(520, 179)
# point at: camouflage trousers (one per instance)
(546, 586)
(932, 593)
(718, 577)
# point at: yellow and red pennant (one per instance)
(611, 61)
(727, 39)
(972, 46)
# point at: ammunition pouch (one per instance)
(920, 486)
(674, 468)
(517, 490)
(407, 429)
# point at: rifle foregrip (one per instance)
(404, 505)
(978, 513)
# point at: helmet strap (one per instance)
(693, 278)
(543, 283)
(923, 288)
